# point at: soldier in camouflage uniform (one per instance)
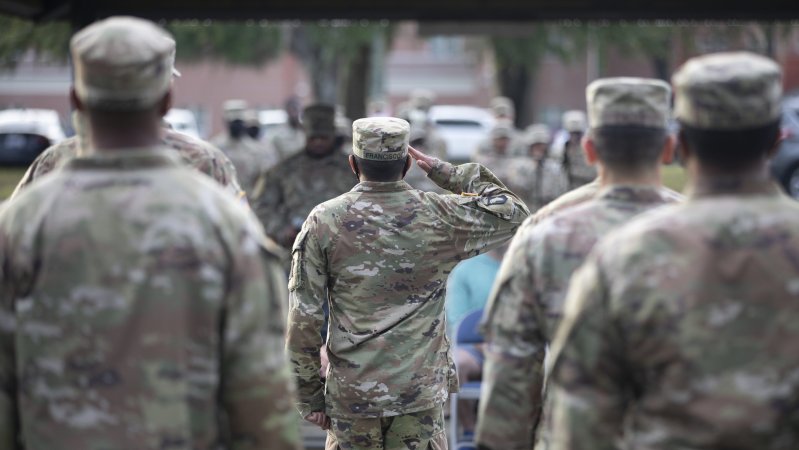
(291, 189)
(504, 113)
(575, 165)
(195, 153)
(289, 139)
(140, 307)
(680, 329)
(544, 178)
(250, 157)
(379, 256)
(627, 140)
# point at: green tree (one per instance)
(337, 55)
(19, 36)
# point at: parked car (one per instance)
(183, 121)
(462, 127)
(785, 164)
(25, 133)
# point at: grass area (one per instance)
(674, 177)
(9, 177)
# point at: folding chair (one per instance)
(466, 333)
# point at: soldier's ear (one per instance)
(354, 166)
(408, 164)
(589, 151)
(667, 156)
(75, 101)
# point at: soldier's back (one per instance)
(707, 294)
(119, 269)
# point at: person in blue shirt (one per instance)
(468, 288)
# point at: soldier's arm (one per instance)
(513, 374)
(268, 204)
(257, 387)
(8, 394)
(587, 387)
(485, 215)
(307, 295)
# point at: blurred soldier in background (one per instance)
(577, 168)
(289, 139)
(196, 153)
(251, 158)
(683, 322)
(291, 189)
(379, 256)
(140, 304)
(628, 140)
(544, 178)
(503, 110)
(420, 140)
(423, 100)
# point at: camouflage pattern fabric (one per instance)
(287, 140)
(680, 329)
(380, 138)
(140, 308)
(626, 101)
(539, 182)
(423, 430)
(581, 195)
(728, 91)
(249, 157)
(196, 153)
(122, 63)
(526, 306)
(379, 256)
(292, 188)
(577, 168)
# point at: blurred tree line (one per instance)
(340, 55)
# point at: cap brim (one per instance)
(176, 73)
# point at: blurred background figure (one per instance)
(420, 139)
(468, 288)
(544, 178)
(378, 108)
(289, 138)
(577, 168)
(249, 157)
(503, 111)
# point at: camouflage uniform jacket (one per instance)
(291, 189)
(287, 140)
(139, 303)
(543, 181)
(249, 157)
(526, 305)
(195, 152)
(681, 328)
(578, 169)
(379, 256)
(581, 195)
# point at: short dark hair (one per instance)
(731, 150)
(381, 170)
(628, 149)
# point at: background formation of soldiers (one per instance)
(145, 302)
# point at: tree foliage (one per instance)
(20, 36)
(248, 44)
(239, 43)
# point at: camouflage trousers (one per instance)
(423, 430)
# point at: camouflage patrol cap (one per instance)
(380, 138)
(502, 107)
(250, 117)
(574, 121)
(423, 99)
(624, 101)
(538, 133)
(235, 109)
(725, 91)
(122, 63)
(502, 129)
(319, 119)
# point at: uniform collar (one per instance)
(635, 193)
(733, 185)
(126, 159)
(376, 186)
